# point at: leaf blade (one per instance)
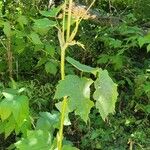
(81, 67)
(78, 92)
(105, 94)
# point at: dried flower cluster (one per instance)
(79, 11)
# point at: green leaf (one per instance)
(38, 47)
(50, 49)
(52, 13)
(1, 22)
(44, 23)
(22, 20)
(105, 94)
(78, 92)
(117, 61)
(66, 120)
(146, 87)
(9, 126)
(14, 111)
(20, 109)
(5, 109)
(148, 48)
(103, 59)
(2, 126)
(41, 61)
(35, 140)
(20, 45)
(115, 43)
(82, 67)
(147, 108)
(7, 29)
(144, 40)
(42, 26)
(35, 38)
(17, 105)
(51, 67)
(48, 121)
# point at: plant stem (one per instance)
(64, 20)
(60, 136)
(64, 44)
(64, 103)
(63, 50)
(69, 19)
(63, 63)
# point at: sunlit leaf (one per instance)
(14, 111)
(9, 126)
(78, 92)
(5, 109)
(105, 94)
(35, 140)
(20, 109)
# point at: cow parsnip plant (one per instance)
(74, 92)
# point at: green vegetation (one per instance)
(75, 75)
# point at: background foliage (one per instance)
(29, 71)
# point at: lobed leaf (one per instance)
(78, 92)
(105, 94)
(47, 121)
(14, 111)
(35, 140)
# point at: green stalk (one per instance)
(69, 20)
(64, 20)
(64, 44)
(62, 62)
(63, 50)
(64, 103)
